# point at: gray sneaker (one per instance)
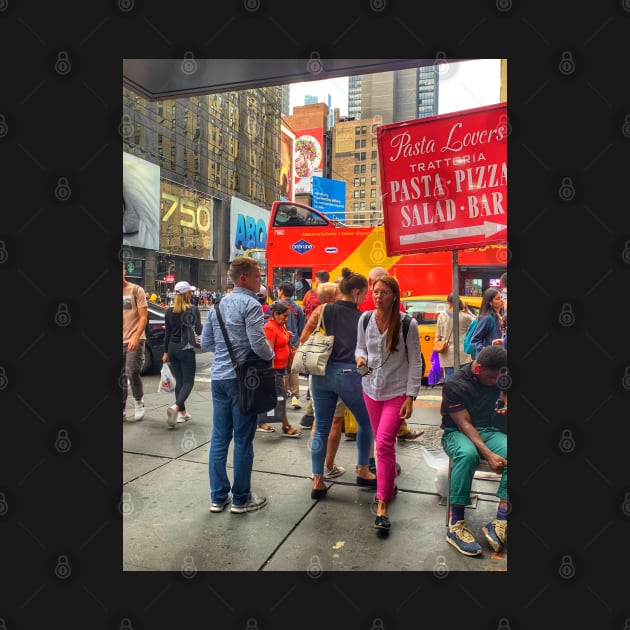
(219, 507)
(254, 503)
(335, 471)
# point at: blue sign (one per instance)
(250, 232)
(301, 247)
(329, 197)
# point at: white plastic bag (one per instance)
(438, 460)
(167, 380)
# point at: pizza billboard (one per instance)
(444, 181)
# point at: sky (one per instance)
(463, 85)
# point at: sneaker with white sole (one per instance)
(221, 505)
(334, 471)
(183, 417)
(254, 503)
(496, 533)
(138, 413)
(458, 535)
(295, 401)
(171, 416)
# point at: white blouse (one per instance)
(393, 373)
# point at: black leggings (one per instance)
(183, 366)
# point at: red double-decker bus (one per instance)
(299, 238)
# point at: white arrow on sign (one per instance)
(488, 228)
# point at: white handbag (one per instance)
(312, 356)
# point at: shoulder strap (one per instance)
(366, 319)
(405, 326)
(320, 321)
(225, 336)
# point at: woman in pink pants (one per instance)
(392, 371)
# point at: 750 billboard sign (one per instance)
(444, 181)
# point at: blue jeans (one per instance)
(183, 366)
(228, 421)
(325, 390)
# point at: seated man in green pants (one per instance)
(468, 414)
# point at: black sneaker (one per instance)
(382, 522)
(307, 421)
(372, 468)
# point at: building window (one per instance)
(357, 131)
(356, 194)
(373, 167)
(356, 181)
(362, 181)
(373, 180)
(373, 193)
(374, 128)
(356, 169)
(373, 155)
(363, 168)
(363, 130)
(362, 194)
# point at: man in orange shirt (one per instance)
(134, 324)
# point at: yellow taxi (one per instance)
(425, 309)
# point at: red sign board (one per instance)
(444, 181)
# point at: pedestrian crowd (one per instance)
(198, 297)
(373, 375)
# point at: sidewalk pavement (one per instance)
(167, 525)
